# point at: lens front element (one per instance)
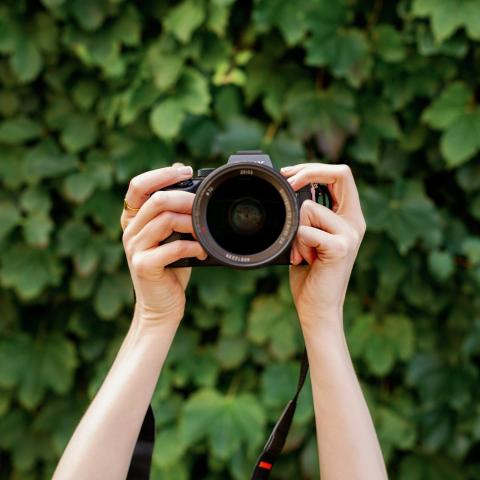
(245, 215)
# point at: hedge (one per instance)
(95, 91)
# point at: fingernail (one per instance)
(291, 180)
(185, 171)
(285, 169)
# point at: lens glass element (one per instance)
(245, 214)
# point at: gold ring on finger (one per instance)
(128, 208)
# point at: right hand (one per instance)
(159, 291)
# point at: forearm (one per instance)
(102, 445)
(347, 443)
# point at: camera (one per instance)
(245, 214)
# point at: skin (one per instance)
(102, 445)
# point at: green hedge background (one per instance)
(94, 92)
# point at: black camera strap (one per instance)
(142, 454)
(276, 441)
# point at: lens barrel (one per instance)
(245, 215)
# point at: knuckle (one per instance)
(127, 246)
(345, 170)
(179, 248)
(138, 265)
(166, 218)
(158, 197)
(356, 237)
(342, 247)
(362, 227)
(135, 185)
(307, 206)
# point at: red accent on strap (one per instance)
(265, 465)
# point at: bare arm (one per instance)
(103, 442)
(329, 240)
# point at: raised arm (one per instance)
(103, 442)
(329, 241)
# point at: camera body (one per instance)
(245, 214)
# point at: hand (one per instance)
(159, 291)
(327, 239)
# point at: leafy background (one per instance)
(96, 91)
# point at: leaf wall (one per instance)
(95, 92)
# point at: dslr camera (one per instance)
(245, 214)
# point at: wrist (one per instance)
(326, 323)
(149, 319)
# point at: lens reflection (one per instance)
(245, 215)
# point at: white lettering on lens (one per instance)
(246, 172)
(236, 258)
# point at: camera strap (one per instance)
(142, 454)
(276, 441)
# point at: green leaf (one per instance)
(400, 331)
(448, 107)
(441, 264)
(379, 355)
(193, 92)
(37, 228)
(46, 161)
(9, 32)
(90, 14)
(27, 61)
(167, 117)
(395, 430)
(346, 54)
(9, 218)
(165, 64)
(29, 271)
(461, 141)
(184, 19)
(278, 384)
(198, 414)
(239, 134)
(231, 352)
(288, 17)
(32, 367)
(388, 44)
(80, 132)
(169, 448)
(85, 93)
(449, 15)
(226, 421)
(113, 293)
(19, 130)
(324, 110)
(405, 213)
(359, 334)
(78, 186)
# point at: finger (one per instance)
(161, 227)
(143, 185)
(342, 186)
(295, 256)
(157, 258)
(311, 242)
(293, 169)
(170, 200)
(319, 216)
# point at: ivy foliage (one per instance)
(93, 92)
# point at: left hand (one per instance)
(327, 239)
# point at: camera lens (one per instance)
(245, 215)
